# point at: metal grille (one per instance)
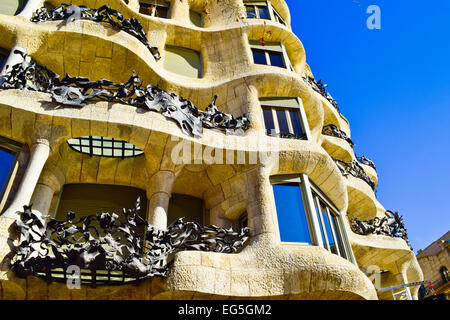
(104, 147)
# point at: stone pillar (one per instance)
(159, 195)
(180, 10)
(51, 182)
(40, 151)
(260, 205)
(12, 59)
(30, 8)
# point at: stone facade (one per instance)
(434, 260)
(266, 267)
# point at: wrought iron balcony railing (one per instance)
(391, 225)
(104, 14)
(108, 249)
(367, 162)
(320, 88)
(77, 91)
(332, 130)
(354, 168)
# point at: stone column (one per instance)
(159, 195)
(51, 182)
(180, 10)
(40, 151)
(30, 8)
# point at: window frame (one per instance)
(156, 4)
(4, 53)
(14, 148)
(315, 231)
(274, 15)
(299, 108)
(136, 152)
(176, 49)
(267, 48)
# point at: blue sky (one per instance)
(393, 85)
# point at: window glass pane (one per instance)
(251, 13)
(328, 229)
(259, 56)
(183, 61)
(6, 161)
(276, 59)
(96, 143)
(196, 18)
(97, 151)
(263, 12)
(187, 207)
(162, 12)
(146, 9)
(107, 152)
(11, 7)
(268, 120)
(282, 121)
(337, 232)
(291, 214)
(296, 124)
(322, 230)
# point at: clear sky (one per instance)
(393, 85)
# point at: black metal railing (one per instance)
(320, 88)
(354, 168)
(332, 130)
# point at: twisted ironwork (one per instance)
(332, 130)
(367, 162)
(320, 88)
(77, 91)
(104, 14)
(354, 168)
(109, 249)
(391, 225)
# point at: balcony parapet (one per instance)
(109, 249)
(332, 130)
(392, 225)
(77, 91)
(354, 168)
(367, 162)
(104, 14)
(320, 88)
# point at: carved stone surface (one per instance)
(354, 168)
(391, 225)
(367, 162)
(320, 88)
(77, 91)
(332, 130)
(104, 14)
(113, 250)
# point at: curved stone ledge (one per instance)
(371, 172)
(362, 203)
(338, 148)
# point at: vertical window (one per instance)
(3, 56)
(270, 54)
(183, 61)
(155, 8)
(445, 274)
(262, 10)
(305, 215)
(11, 7)
(196, 18)
(329, 226)
(292, 221)
(87, 199)
(9, 151)
(187, 207)
(283, 117)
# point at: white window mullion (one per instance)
(324, 229)
(270, 9)
(275, 121)
(315, 234)
(333, 232)
(304, 119)
(289, 121)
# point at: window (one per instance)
(262, 10)
(87, 199)
(196, 18)
(284, 117)
(183, 61)
(155, 8)
(3, 56)
(105, 147)
(9, 151)
(11, 7)
(187, 207)
(445, 274)
(270, 54)
(329, 226)
(306, 216)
